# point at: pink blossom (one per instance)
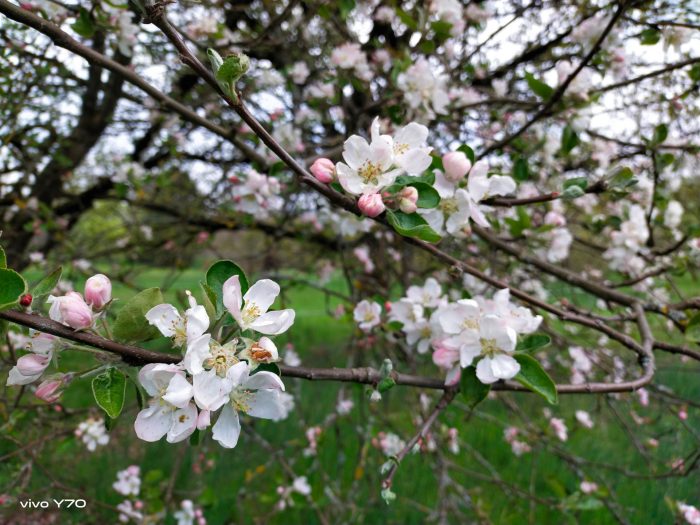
(371, 204)
(323, 169)
(98, 291)
(49, 390)
(408, 197)
(456, 165)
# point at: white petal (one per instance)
(415, 161)
(349, 179)
(263, 294)
(233, 300)
(266, 404)
(184, 422)
(478, 183)
(356, 151)
(274, 323)
(153, 423)
(179, 392)
(504, 366)
(413, 134)
(491, 327)
(262, 380)
(210, 390)
(197, 322)
(15, 377)
(197, 352)
(165, 318)
(501, 185)
(227, 428)
(238, 374)
(484, 372)
(507, 339)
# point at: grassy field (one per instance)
(238, 486)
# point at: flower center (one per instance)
(240, 399)
(180, 332)
(448, 206)
(369, 173)
(250, 313)
(471, 324)
(258, 353)
(400, 149)
(489, 347)
(222, 357)
(369, 316)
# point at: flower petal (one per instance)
(153, 423)
(227, 428)
(184, 423)
(263, 294)
(164, 317)
(274, 323)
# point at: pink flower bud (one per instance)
(371, 205)
(408, 197)
(49, 390)
(75, 312)
(203, 419)
(456, 165)
(323, 169)
(98, 291)
(32, 364)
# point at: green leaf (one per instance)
(428, 197)
(83, 24)
(694, 73)
(385, 384)
(3, 258)
(569, 139)
(131, 324)
(215, 60)
(572, 192)
(533, 342)
(692, 329)
(208, 300)
(468, 152)
(581, 182)
(520, 170)
(412, 225)
(538, 87)
(649, 37)
(109, 389)
(218, 273)
(47, 283)
(269, 367)
(233, 67)
(660, 134)
(533, 376)
(12, 287)
(473, 390)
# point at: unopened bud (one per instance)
(98, 291)
(371, 205)
(456, 165)
(323, 169)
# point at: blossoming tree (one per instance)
(493, 206)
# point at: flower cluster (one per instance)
(460, 332)
(92, 433)
(215, 375)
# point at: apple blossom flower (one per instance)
(98, 291)
(259, 352)
(673, 215)
(323, 169)
(367, 314)
(424, 89)
(170, 409)
(584, 418)
(182, 328)
(456, 165)
(429, 295)
(559, 428)
(30, 367)
(344, 406)
(127, 511)
(408, 144)
(70, 310)
(257, 395)
(251, 310)
(690, 513)
(92, 433)
(299, 72)
(367, 166)
(128, 481)
(371, 204)
(495, 341)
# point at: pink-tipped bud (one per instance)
(456, 165)
(408, 197)
(49, 390)
(32, 364)
(98, 291)
(75, 312)
(324, 170)
(371, 205)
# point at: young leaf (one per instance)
(12, 287)
(412, 225)
(538, 87)
(569, 139)
(215, 60)
(473, 390)
(47, 283)
(520, 170)
(218, 273)
(533, 376)
(84, 25)
(3, 258)
(131, 324)
(109, 389)
(533, 342)
(428, 197)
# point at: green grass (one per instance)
(240, 485)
